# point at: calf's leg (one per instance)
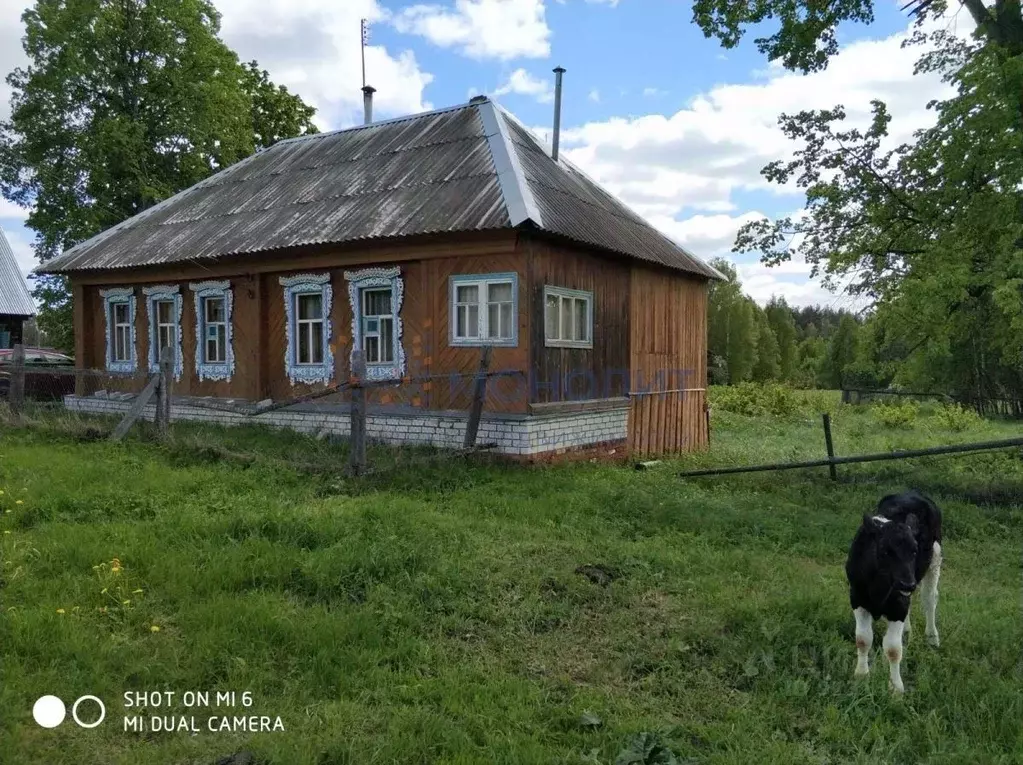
(864, 639)
(929, 594)
(893, 650)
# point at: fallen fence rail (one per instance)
(831, 461)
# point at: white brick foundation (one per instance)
(514, 435)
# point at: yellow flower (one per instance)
(19, 502)
(154, 628)
(60, 610)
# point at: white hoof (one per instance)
(933, 640)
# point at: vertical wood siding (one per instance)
(577, 374)
(669, 355)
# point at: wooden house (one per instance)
(15, 300)
(415, 240)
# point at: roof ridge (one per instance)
(375, 123)
(518, 196)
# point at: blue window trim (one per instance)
(110, 297)
(378, 277)
(459, 279)
(220, 370)
(301, 285)
(153, 296)
(565, 292)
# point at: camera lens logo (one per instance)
(49, 712)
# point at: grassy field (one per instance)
(432, 613)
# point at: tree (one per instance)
(767, 365)
(742, 341)
(841, 353)
(124, 103)
(804, 39)
(932, 231)
(779, 317)
(720, 300)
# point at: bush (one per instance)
(755, 400)
(956, 418)
(896, 414)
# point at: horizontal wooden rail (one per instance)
(633, 394)
(898, 455)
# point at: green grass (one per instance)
(431, 613)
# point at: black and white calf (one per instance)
(892, 552)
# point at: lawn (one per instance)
(432, 612)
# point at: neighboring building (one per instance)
(15, 300)
(416, 240)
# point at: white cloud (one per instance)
(482, 29)
(10, 211)
(653, 92)
(677, 169)
(523, 83)
(313, 48)
(594, 96)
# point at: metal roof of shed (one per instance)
(471, 167)
(15, 299)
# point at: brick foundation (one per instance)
(573, 435)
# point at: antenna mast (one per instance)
(365, 39)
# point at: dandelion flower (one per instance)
(60, 610)
(154, 628)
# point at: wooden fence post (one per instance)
(16, 397)
(163, 392)
(831, 447)
(479, 393)
(136, 408)
(357, 457)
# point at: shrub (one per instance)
(755, 400)
(896, 414)
(956, 418)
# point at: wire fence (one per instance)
(145, 396)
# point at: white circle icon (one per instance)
(102, 711)
(49, 711)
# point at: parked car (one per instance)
(48, 375)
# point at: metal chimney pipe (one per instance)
(558, 71)
(367, 103)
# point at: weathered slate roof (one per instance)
(472, 167)
(15, 299)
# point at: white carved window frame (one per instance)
(111, 297)
(154, 295)
(215, 370)
(370, 278)
(305, 284)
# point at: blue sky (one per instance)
(671, 122)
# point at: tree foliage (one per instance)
(124, 103)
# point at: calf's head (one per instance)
(895, 548)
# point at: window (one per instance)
(568, 317)
(121, 312)
(309, 309)
(376, 295)
(214, 342)
(119, 305)
(164, 307)
(214, 317)
(307, 302)
(484, 309)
